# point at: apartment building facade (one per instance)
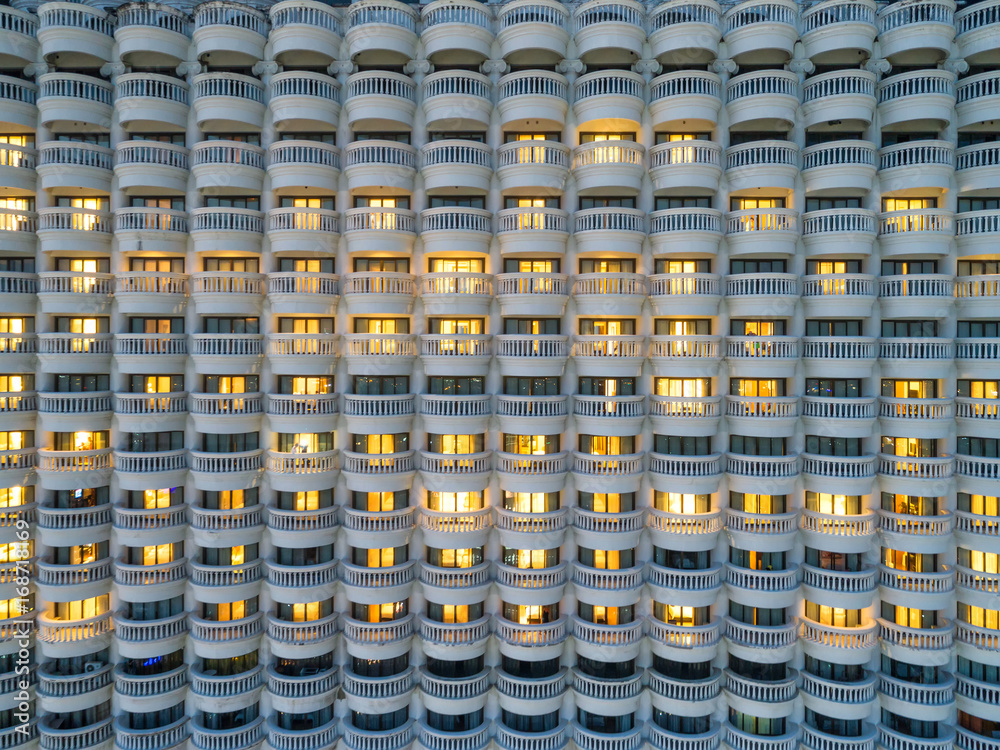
(522, 375)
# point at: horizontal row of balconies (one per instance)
(457, 100)
(394, 29)
(597, 167)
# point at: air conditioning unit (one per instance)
(92, 666)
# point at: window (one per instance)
(826, 204)
(387, 612)
(674, 202)
(683, 387)
(156, 383)
(305, 442)
(382, 325)
(455, 265)
(759, 388)
(610, 387)
(832, 267)
(381, 385)
(758, 265)
(305, 326)
(533, 265)
(455, 386)
(606, 559)
(455, 326)
(756, 328)
(749, 559)
(909, 389)
(381, 444)
(606, 327)
(530, 614)
(462, 201)
(983, 389)
(305, 265)
(754, 503)
(527, 386)
(455, 444)
(530, 502)
(910, 505)
(979, 447)
(287, 201)
(833, 387)
(305, 386)
(828, 328)
(909, 447)
(682, 327)
(375, 502)
(978, 329)
(622, 202)
(81, 383)
(980, 505)
(911, 617)
(824, 445)
(380, 558)
(226, 384)
(607, 265)
(81, 440)
(154, 442)
(681, 616)
(602, 445)
(454, 502)
(833, 505)
(535, 445)
(664, 265)
(231, 325)
(756, 615)
(305, 500)
(80, 325)
(531, 326)
(908, 267)
(382, 265)
(248, 202)
(753, 445)
(454, 558)
(606, 502)
(681, 503)
(682, 445)
(304, 611)
(234, 443)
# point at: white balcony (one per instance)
(231, 229)
(19, 99)
(929, 164)
(765, 415)
(303, 31)
(977, 26)
(71, 167)
(907, 31)
(750, 166)
(826, 641)
(838, 296)
(231, 36)
(604, 168)
(74, 292)
(19, 43)
(379, 230)
(457, 100)
(839, 354)
(977, 100)
(543, 355)
(761, 30)
(302, 353)
(834, 29)
(303, 230)
(227, 167)
(382, 29)
(84, 229)
(697, 230)
(750, 293)
(680, 29)
(361, 469)
(840, 167)
(527, 29)
(609, 415)
(227, 102)
(924, 232)
(609, 99)
(534, 230)
(759, 230)
(917, 295)
(379, 351)
(842, 94)
(73, 352)
(76, 35)
(145, 101)
(445, 293)
(766, 99)
(448, 164)
(17, 169)
(921, 99)
(697, 355)
(681, 166)
(614, 355)
(532, 414)
(152, 32)
(538, 96)
(517, 472)
(303, 100)
(452, 229)
(458, 415)
(391, 414)
(532, 293)
(609, 24)
(926, 356)
(917, 417)
(457, 30)
(532, 165)
(379, 164)
(695, 474)
(695, 641)
(225, 470)
(147, 164)
(379, 100)
(673, 294)
(296, 165)
(767, 355)
(455, 354)
(685, 98)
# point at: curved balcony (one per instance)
(684, 293)
(19, 99)
(977, 231)
(448, 164)
(907, 30)
(768, 355)
(19, 40)
(228, 166)
(83, 229)
(741, 634)
(838, 587)
(380, 164)
(917, 295)
(929, 164)
(304, 32)
(926, 356)
(839, 354)
(302, 353)
(446, 292)
(145, 101)
(73, 631)
(453, 229)
(73, 292)
(697, 230)
(536, 95)
(246, 736)
(457, 100)
(930, 589)
(454, 354)
(543, 355)
(374, 585)
(774, 164)
(65, 165)
(978, 100)
(303, 100)
(303, 230)
(141, 165)
(529, 29)
(826, 641)
(463, 29)
(673, 640)
(839, 295)
(76, 35)
(697, 354)
(379, 465)
(152, 33)
(840, 167)
(600, 25)
(919, 417)
(685, 98)
(394, 526)
(532, 414)
(535, 230)
(293, 472)
(459, 415)
(696, 474)
(392, 414)
(231, 35)
(379, 230)
(302, 292)
(751, 293)
(761, 29)
(228, 102)
(614, 355)
(766, 99)
(622, 415)
(681, 166)
(842, 94)
(833, 29)
(753, 230)
(530, 165)
(379, 350)
(381, 29)
(853, 474)
(924, 232)
(380, 100)
(532, 293)
(609, 99)
(685, 29)
(517, 472)
(51, 735)
(921, 99)
(606, 167)
(976, 26)
(227, 292)
(226, 469)
(378, 633)
(17, 167)
(379, 292)
(977, 167)
(294, 165)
